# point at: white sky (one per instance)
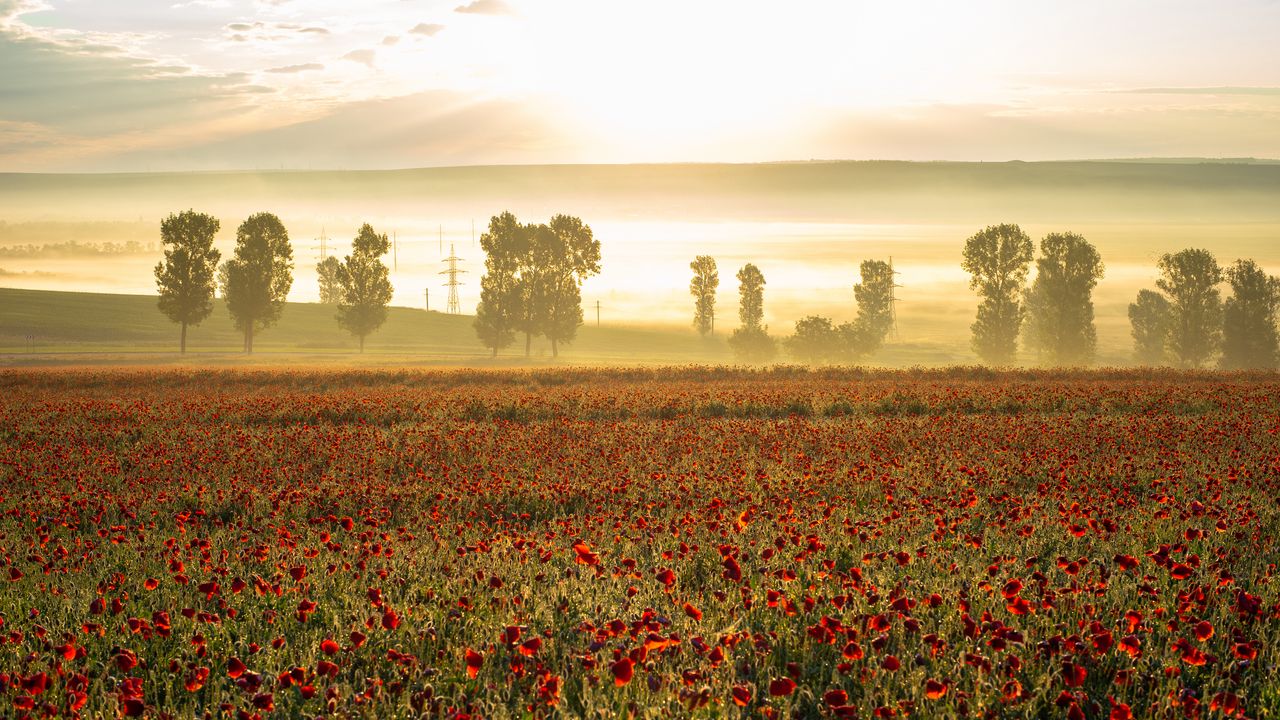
(221, 84)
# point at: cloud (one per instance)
(68, 97)
(390, 40)
(287, 69)
(427, 29)
(1222, 90)
(271, 32)
(485, 7)
(425, 129)
(10, 9)
(364, 57)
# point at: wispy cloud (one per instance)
(485, 7)
(1219, 90)
(427, 29)
(364, 56)
(303, 67)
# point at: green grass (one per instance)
(99, 323)
(74, 327)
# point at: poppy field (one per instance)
(688, 542)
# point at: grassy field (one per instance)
(66, 323)
(639, 543)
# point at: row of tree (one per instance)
(1187, 322)
(1056, 311)
(533, 280)
(256, 280)
(816, 339)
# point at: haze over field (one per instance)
(113, 116)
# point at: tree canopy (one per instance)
(1190, 279)
(1149, 317)
(364, 285)
(1059, 304)
(533, 280)
(186, 276)
(257, 278)
(703, 286)
(998, 257)
(1249, 337)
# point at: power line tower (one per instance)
(454, 307)
(323, 247)
(893, 299)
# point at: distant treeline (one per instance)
(55, 232)
(73, 248)
(1186, 323)
(534, 274)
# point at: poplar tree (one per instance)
(703, 286)
(364, 287)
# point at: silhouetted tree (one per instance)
(751, 341)
(1059, 305)
(703, 286)
(1249, 337)
(505, 244)
(751, 297)
(815, 341)
(1150, 317)
(998, 257)
(364, 285)
(572, 255)
(1190, 280)
(185, 278)
(257, 279)
(874, 296)
(327, 272)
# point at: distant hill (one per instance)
(863, 191)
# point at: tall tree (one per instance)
(874, 296)
(1150, 317)
(504, 245)
(185, 278)
(998, 257)
(703, 286)
(1190, 280)
(364, 284)
(327, 272)
(573, 256)
(1249, 337)
(256, 280)
(751, 341)
(533, 280)
(751, 297)
(1059, 305)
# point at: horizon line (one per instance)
(1150, 160)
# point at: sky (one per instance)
(135, 85)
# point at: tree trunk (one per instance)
(555, 349)
(495, 350)
(528, 342)
(182, 345)
(361, 344)
(248, 340)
